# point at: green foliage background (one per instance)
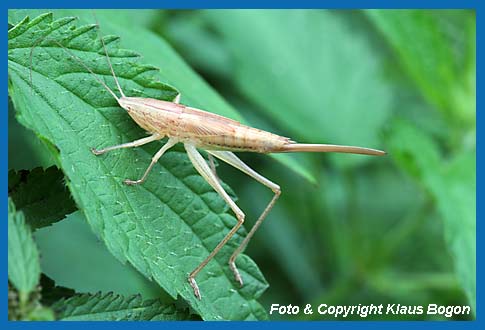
(348, 229)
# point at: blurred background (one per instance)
(352, 229)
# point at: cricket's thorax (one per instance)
(198, 127)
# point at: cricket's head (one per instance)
(139, 110)
(140, 105)
(131, 104)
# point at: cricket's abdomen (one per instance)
(201, 128)
(213, 132)
(240, 138)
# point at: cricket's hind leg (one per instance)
(203, 168)
(233, 160)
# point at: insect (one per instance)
(218, 136)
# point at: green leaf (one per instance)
(443, 70)
(23, 258)
(110, 307)
(41, 195)
(452, 184)
(166, 226)
(457, 204)
(34, 152)
(309, 72)
(67, 266)
(173, 70)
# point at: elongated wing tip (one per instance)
(367, 151)
(303, 147)
(378, 152)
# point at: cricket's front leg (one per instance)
(133, 144)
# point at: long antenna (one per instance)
(87, 68)
(77, 59)
(107, 56)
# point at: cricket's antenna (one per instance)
(107, 57)
(77, 59)
(30, 64)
